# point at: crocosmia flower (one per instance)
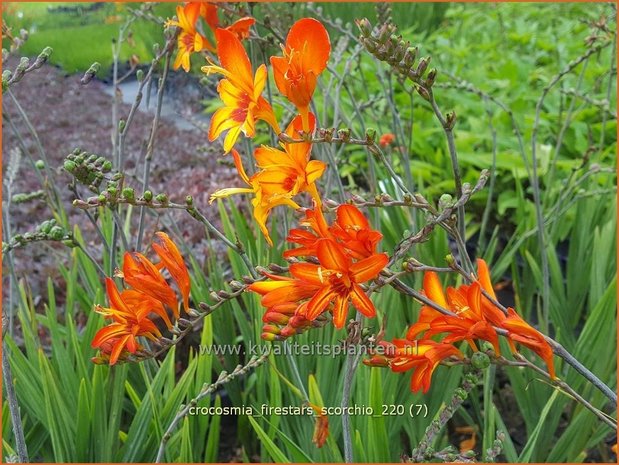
(420, 356)
(191, 40)
(339, 280)
(305, 56)
(240, 91)
(128, 323)
(149, 294)
(283, 175)
(328, 283)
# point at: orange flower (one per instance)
(339, 280)
(240, 91)
(283, 175)
(468, 323)
(129, 323)
(263, 202)
(172, 260)
(306, 54)
(289, 172)
(386, 139)
(140, 273)
(321, 428)
(523, 333)
(518, 330)
(351, 230)
(421, 356)
(190, 40)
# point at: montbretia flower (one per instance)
(191, 40)
(386, 139)
(305, 56)
(321, 428)
(142, 275)
(129, 323)
(265, 197)
(240, 91)
(282, 176)
(519, 331)
(467, 323)
(351, 230)
(339, 280)
(172, 260)
(289, 172)
(421, 356)
(149, 294)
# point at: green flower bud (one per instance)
(461, 393)
(45, 227)
(107, 166)
(370, 134)
(139, 74)
(69, 166)
(129, 194)
(162, 198)
(56, 233)
(189, 200)
(40, 164)
(480, 360)
(148, 196)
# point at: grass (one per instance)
(79, 40)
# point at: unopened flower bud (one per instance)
(129, 194)
(450, 120)
(430, 78)
(189, 200)
(40, 164)
(450, 260)
(147, 196)
(139, 75)
(162, 199)
(445, 201)
(422, 66)
(480, 360)
(364, 26)
(370, 135)
(56, 233)
(90, 73)
(409, 56)
(423, 92)
(107, 166)
(69, 166)
(344, 134)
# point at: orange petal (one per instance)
(310, 38)
(233, 58)
(330, 255)
(173, 261)
(484, 277)
(369, 268)
(319, 303)
(362, 302)
(340, 311)
(349, 216)
(434, 289)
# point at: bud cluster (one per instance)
(47, 231)
(24, 67)
(389, 47)
(87, 168)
